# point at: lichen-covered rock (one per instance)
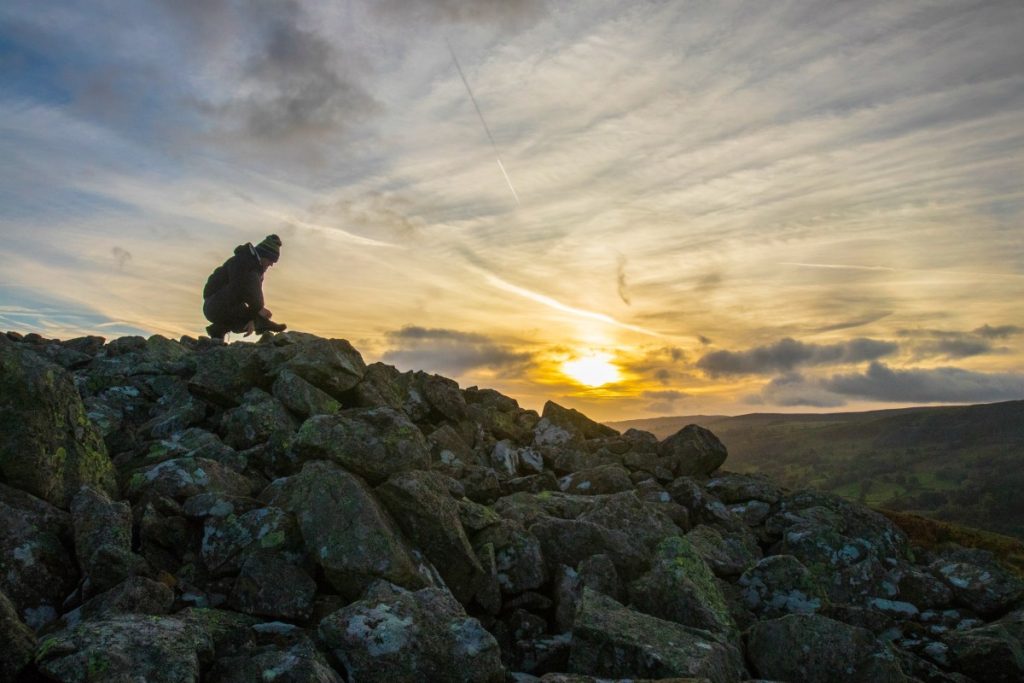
(575, 422)
(681, 588)
(229, 540)
(598, 480)
(518, 560)
(692, 451)
(224, 373)
(134, 595)
(779, 585)
(923, 589)
(646, 523)
(103, 530)
(19, 642)
(269, 586)
(981, 585)
(36, 571)
(331, 365)
(344, 528)
(611, 640)
(596, 573)
(181, 478)
(298, 662)
(371, 442)
(814, 649)
(50, 448)
(732, 488)
(429, 517)
(301, 397)
(987, 653)
(396, 636)
(569, 541)
(128, 647)
(512, 460)
(727, 553)
(255, 420)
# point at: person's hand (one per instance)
(265, 312)
(249, 329)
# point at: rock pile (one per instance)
(280, 511)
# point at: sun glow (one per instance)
(594, 370)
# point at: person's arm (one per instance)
(247, 284)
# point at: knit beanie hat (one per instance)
(270, 248)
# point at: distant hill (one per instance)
(963, 464)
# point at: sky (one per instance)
(630, 208)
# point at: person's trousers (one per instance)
(231, 314)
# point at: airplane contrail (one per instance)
(479, 113)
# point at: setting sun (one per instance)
(593, 371)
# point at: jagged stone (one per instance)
(534, 483)
(612, 640)
(482, 484)
(518, 559)
(732, 488)
(127, 647)
(449, 452)
(18, 639)
(512, 460)
(681, 588)
(981, 585)
(331, 365)
(575, 422)
(780, 585)
(625, 512)
(344, 529)
(134, 595)
(269, 586)
(49, 448)
(727, 553)
(224, 373)
(570, 541)
(396, 636)
(692, 451)
(923, 589)
(103, 529)
(301, 397)
(527, 508)
(181, 478)
(371, 442)
(230, 540)
(815, 649)
(596, 573)
(596, 481)
(255, 420)
(36, 571)
(298, 662)
(429, 517)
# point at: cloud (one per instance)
(121, 257)
(999, 332)
(621, 277)
(938, 385)
(793, 389)
(506, 13)
(665, 395)
(451, 352)
(854, 322)
(788, 353)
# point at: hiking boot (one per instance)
(264, 325)
(216, 331)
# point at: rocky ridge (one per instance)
(281, 511)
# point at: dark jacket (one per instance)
(239, 280)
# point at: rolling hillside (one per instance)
(963, 464)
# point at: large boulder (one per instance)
(50, 448)
(727, 553)
(979, 583)
(609, 640)
(988, 653)
(134, 595)
(814, 649)
(290, 662)
(692, 451)
(371, 442)
(103, 538)
(574, 422)
(779, 585)
(681, 588)
(270, 586)
(19, 641)
(258, 417)
(514, 555)
(230, 540)
(301, 397)
(429, 517)
(396, 636)
(224, 373)
(331, 365)
(36, 571)
(182, 478)
(597, 480)
(127, 647)
(344, 528)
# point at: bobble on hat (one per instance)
(270, 248)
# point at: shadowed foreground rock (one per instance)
(279, 511)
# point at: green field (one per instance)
(963, 464)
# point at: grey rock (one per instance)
(397, 636)
(18, 639)
(103, 530)
(599, 480)
(301, 397)
(269, 586)
(727, 553)
(779, 585)
(255, 420)
(692, 451)
(610, 640)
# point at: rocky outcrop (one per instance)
(182, 510)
